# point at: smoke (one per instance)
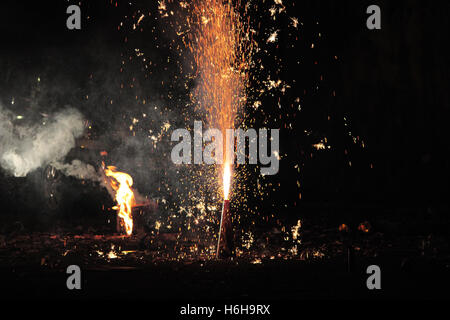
(84, 171)
(25, 148)
(78, 169)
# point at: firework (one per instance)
(221, 53)
(225, 242)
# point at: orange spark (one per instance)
(221, 47)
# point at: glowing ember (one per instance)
(121, 183)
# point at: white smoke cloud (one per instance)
(24, 148)
(79, 170)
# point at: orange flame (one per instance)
(226, 181)
(124, 196)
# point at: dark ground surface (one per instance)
(178, 267)
(212, 281)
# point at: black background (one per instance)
(391, 84)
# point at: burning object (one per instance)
(121, 183)
(225, 242)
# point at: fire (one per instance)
(226, 181)
(121, 183)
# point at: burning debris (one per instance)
(121, 184)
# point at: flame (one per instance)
(124, 196)
(226, 181)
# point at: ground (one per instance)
(170, 266)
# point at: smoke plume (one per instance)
(27, 147)
(79, 170)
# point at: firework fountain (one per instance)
(221, 51)
(225, 242)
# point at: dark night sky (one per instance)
(391, 84)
